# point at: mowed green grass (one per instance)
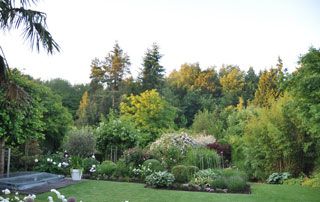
(106, 191)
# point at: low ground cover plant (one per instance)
(278, 178)
(160, 179)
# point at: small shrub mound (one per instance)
(180, 173)
(160, 179)
(191, 171)
(106, 168)
(153, 164)
(205, 177)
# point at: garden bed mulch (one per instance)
(46, 188)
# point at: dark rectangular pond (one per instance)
(26, 180)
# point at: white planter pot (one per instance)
(76, 174)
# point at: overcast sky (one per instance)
(211, 32)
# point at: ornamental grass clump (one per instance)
(229, 179)
(203, 158)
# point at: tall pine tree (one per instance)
(152, 76)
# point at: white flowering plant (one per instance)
(54, 163)
(171, 148)
(141, 171)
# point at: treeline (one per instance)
(270, 119)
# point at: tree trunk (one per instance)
(2, 153)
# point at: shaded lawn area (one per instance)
(106, 191)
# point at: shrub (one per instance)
(294, 181)
(153, 164)
(89, 165)
(55, 163)
(204, 177)
(313, 181)
(106, 168)
(181, 140)
(80, 138)
(141, 172)
(204, 140)
(192, 170)
(203, 158)
(180, 173)
(278, 178)
(171, 148)
(122, 170)
(115, 132)
(135, 156)
(224, 150)
(160, 179)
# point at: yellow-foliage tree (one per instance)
(232, 83)
(185, 77)
(84, 103)
(269, 87)
(149, 112)
(207, 81)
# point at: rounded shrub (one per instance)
(160, 179)
(191, 171)
(115, 133)
(88, 163)
(153, 164)
(106, 168)
(180, 173)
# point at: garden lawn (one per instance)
(105, 191)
